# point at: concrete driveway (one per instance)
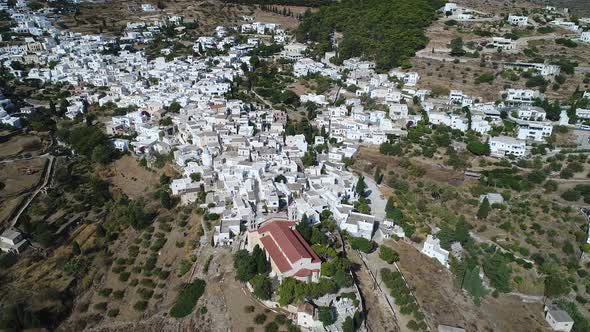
(377, 202)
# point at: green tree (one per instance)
(484, 209)
(165, 199)
(361, 244)
(387, 254)
(76, 249)
(478, 148)
(343, 279)
(555, 286)
(361, 186)
(326, 315)
(390, 149)
(187, 298)
(174, 107)
(262, 286)
(102, 154)
(496, 268)
(259, 258)
(243, 267)
(286, 291)
(195, 177)
(457, 47)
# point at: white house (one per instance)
(521, 96)
(518, 20)
(178, 186)
(12, 241)
(432, 249)
(307, 317)
(493, 198)
(583, 113)
(317, 99)
(558, 319)
(503, 146)
(531, 114)
(226, 231)
(121, 144)
(450, 7)
(9, 120)
(503, 43)
(306, 66)
(148, 7)
(359, 225)
(585, 37)
(536, 131)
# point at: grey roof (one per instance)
(446, 328)
(560, 315)
(10, 234)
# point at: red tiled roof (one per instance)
(305, 272)
(275, 254)
(284, 244)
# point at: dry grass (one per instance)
(127, 176)
(445, 304)
(19, 144)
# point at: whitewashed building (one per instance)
(432, 249)
(503, 146)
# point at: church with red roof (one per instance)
(288, 252)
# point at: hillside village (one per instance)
(265, 172)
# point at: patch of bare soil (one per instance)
(19, 144)
(368, 158)
(16, 177)
(130, 178)
(443, 303)
(286, 22)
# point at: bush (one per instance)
(535, 81)
(262, 286)
(550, 186)
(7, 260)
(389, 149)
(478, 148)
(361, 244)
(485, 78)
(260, 319)
(566, 42)
(496, 268)
(118, 295)
(105, 292)
(281, 319)
(571, 195)
(140, 305)
(271, 327)
(187, 298)
(145, 293)
(102, 306)
(124, 276)
(387, 254)
(326, 315)
(113, 312)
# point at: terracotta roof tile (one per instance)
(285, 245)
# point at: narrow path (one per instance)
(47, 177)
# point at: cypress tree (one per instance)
(484, 209)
